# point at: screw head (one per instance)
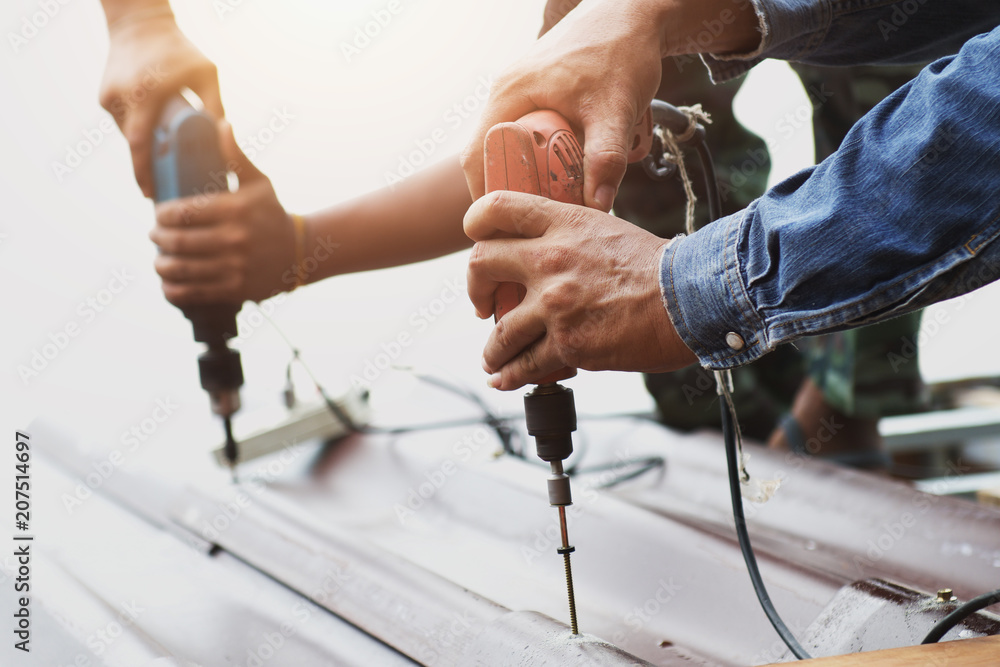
(946, 595)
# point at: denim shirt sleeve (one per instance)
(859, 32)
(905, 214)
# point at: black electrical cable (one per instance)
(503, 431)
(961, 613)
(939, 630)
(728, 435)
(645, 465)
(711, 184)
(500, 424)
(428, 426)
(338, 412)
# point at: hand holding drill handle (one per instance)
(540, 155)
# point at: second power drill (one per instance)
(188, 162)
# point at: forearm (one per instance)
(420, 219)
(705, 26)
(117, 11)
(903, 215)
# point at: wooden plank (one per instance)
(976, 652)
(989, 496)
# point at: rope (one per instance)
(673, 153)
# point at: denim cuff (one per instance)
(705, 296)
(788, 28)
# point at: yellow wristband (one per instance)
(300, 248)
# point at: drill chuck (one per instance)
(550, 412)
(221, 376)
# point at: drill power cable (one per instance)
(736, 472)
(730, 428)
(733, 469)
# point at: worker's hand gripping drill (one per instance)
(540, 155)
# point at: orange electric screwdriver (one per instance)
(540, 155)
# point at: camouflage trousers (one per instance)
(867, 372)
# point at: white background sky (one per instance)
(63, 239)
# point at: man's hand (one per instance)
(593, 290)
(227, 247)
(149, 61)
(554, 12)
(599, 67)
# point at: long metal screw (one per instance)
(572, 599)
(566, 550)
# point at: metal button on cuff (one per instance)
(734, 341)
